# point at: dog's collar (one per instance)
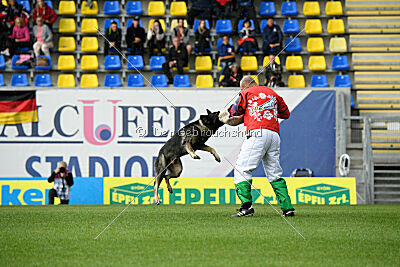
(202, 125)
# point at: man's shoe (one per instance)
(244, 212)
(288, 213)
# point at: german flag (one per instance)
(18, 107)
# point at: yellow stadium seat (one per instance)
(66, 44)
(178, 8)
(89, 25)
(174, 23)
(249, 63)
(184, 68)
(266, 61)
(67, 25)
(313, 26)
(333, 8)
(294, 63)
(66, 62)
(90, 44)
(296, 81)
(255, 77)
(4, 2)
(315, 45)
(66, 80)
(317, 63)
(66, 8)
(336, 26)
(89, 80)
(204, 81)
(311, 8)
(161, 21)
(156, 8)
(203, 63)
(86, 10)
(338, 45)
(89, 62)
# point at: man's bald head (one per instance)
(247, 82)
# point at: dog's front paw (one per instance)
(217, 158)
(195, 156)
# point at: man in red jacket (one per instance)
(46, 12)
(260, 108)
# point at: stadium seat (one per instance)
(43, 80)
(86, 10)
(317, 63)
(107, 23)
(66, 8)
(219, 42)
(129, 23)
(112, 62)
(338, 45)
(203, 63)
(196, 24)
(240, 24)
(249, 63)
(66, 80)
(49, 3)
(267, 9)
(294, 63)
(319, 81)
(89, 80)
(293, 45)
(178, 8)
(263, 24)
(340, 63)
(25, 4)
(2, 62)
(67, 25)
(111, 8)
(14, 66)
(135, 62)
(50, 64)
(204, 81)
(223, 26)
(181, 80)
(186, 68)
(135, 80)
(333, 8)
(156, 8)
(161, 21)
(255, 78)
(174, 23)
(289, 9)
(315, 45)
(342, 81)
(112, 80)
(134, 8)
(19, 80)
(311, 8)
(156, 62)
(66, 44)
(2, 83)
(336, 26)
(89, 62)
(89, 44)
(313, 26)
(296, 81)
(291, 26)
(89, 25)
(159, 80)
(266, 61)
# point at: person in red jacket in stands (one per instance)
(47, 13)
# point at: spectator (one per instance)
(43, 37)
(182, 33)
(232, 76)
(203, 38)
(177, 57)
(4, 30)
(272, 38)
(113, 35)
(63, 181)
(19, 38)
(226, 53)
(273, 74)
(156, 38)
(14, 11)
(204, 7)
(246, 7)
(247, 39)
(43, 10)
(224, 8)
(135, 37)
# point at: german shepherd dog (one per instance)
(187, 140)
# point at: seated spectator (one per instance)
(4, 30)
(43, 10)
(182, 33)
(203, 37)
(43, 38)
(114, 36)
(232, 76)
(135, 37)
(177, 57)
(14, 11)
(247, 39)
(226, 53)
(273, 74)
(224, 9)
(272, 38)
(19, 38)
(156, 38)
(204, 7)
(245, 8)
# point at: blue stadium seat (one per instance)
(112, 80)
(112, 62)
(135, 62)
(43, 80)
(44, 67)
(19, 80)
(135, 80)
(2, 62)
(289, 9)
(182, 80)
(319, 81)
(159, 80)
(107, 23)
(196, 24)
(263, 24)
(129, 23)
(342, 81)
(219, 42)
(291, 26)
(49, 3)
(294, 46)
(111, 8)
(2, 83)
(240, 25)
(156, 62)
(15, 58)
(223, 26)
(25, 4)
(134, 8)
(340, 63)
(267, 9)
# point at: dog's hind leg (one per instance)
(175, 170)
(160, 166)
(212, 151)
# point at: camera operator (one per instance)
(63, 181)
(273, 74)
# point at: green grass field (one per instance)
(199, 235)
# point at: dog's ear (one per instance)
(208, 112)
